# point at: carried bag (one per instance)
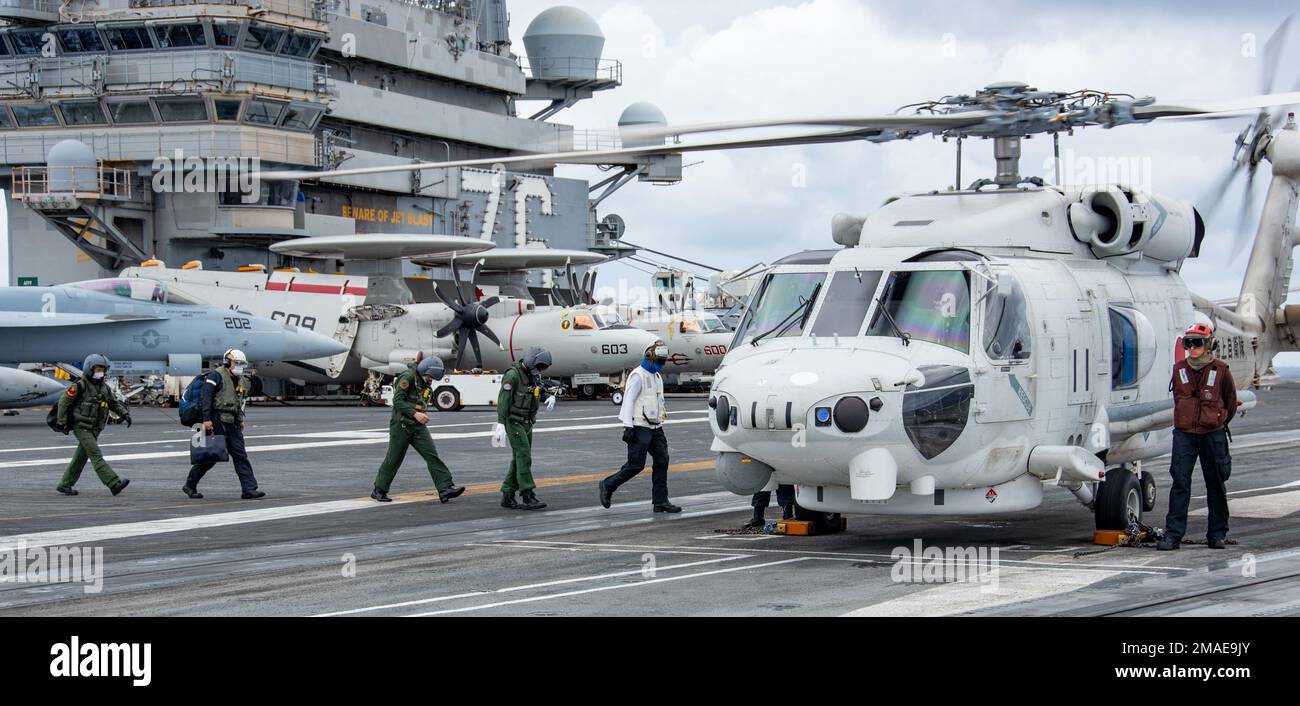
(190, 413)
(52, 419)
(212, 450)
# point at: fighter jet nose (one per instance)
(301, 344)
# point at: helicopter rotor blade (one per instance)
(925, 122)
(1212, 110)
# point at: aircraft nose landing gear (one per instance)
(1121, 499)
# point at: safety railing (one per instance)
(96, 182)
(29, 7)
(573, 68)
(310, 9)
(145, 145)
(164, 71)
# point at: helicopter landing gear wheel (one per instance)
(1119, 500)
(1148, 483)
(616, 397)
(823, 522)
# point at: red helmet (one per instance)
(1199, 329)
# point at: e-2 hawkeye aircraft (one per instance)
(373, 311)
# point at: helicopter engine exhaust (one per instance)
(1117, 221)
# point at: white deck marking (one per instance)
(352, 438)
(525, 587)
(615, 587)
(1267, 507)
(102, 533)
(1013, 586)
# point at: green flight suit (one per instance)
(410, 395)
(89, 402)
(517, 410)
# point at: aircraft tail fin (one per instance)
(1268, 274)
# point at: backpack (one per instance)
(189, 408)
(52, 418)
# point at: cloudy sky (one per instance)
(747, 59)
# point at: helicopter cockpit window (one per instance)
(1007, 334)
(781, 307)
(927, 305)
(846, 303)
(584, 322)
(1132, 347)
(691, 326)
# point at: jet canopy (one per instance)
(144, 290)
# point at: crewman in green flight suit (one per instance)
(517, 404)
(83, 412)
(407, 428)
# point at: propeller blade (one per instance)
(591, 286)
(490, 302)
(449, 328)
(461, 335)
(470, 294)
(557, 298)
(572, 276)
(478, 354)
(490, 335)
(455, 278)
(1209, 204)
(447, 302)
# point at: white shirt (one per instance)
(630, 393)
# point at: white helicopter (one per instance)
(967, 346)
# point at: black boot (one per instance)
(1167, 545)
(119, 485)
(380, 495)
(508, 501)
(757, 521)
(528, 501)
(67, 490)
(606, 493)
(787, 512)
(191, 492)
(445, 496)
(252, 495)
(667, 507)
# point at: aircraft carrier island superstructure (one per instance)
(296, 84)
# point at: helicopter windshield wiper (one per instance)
(804, 308)
(906, 338)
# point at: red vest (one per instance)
(1204, 400)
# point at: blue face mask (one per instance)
(652, 367)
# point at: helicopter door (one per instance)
(1082, 361)
(1007, 392)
